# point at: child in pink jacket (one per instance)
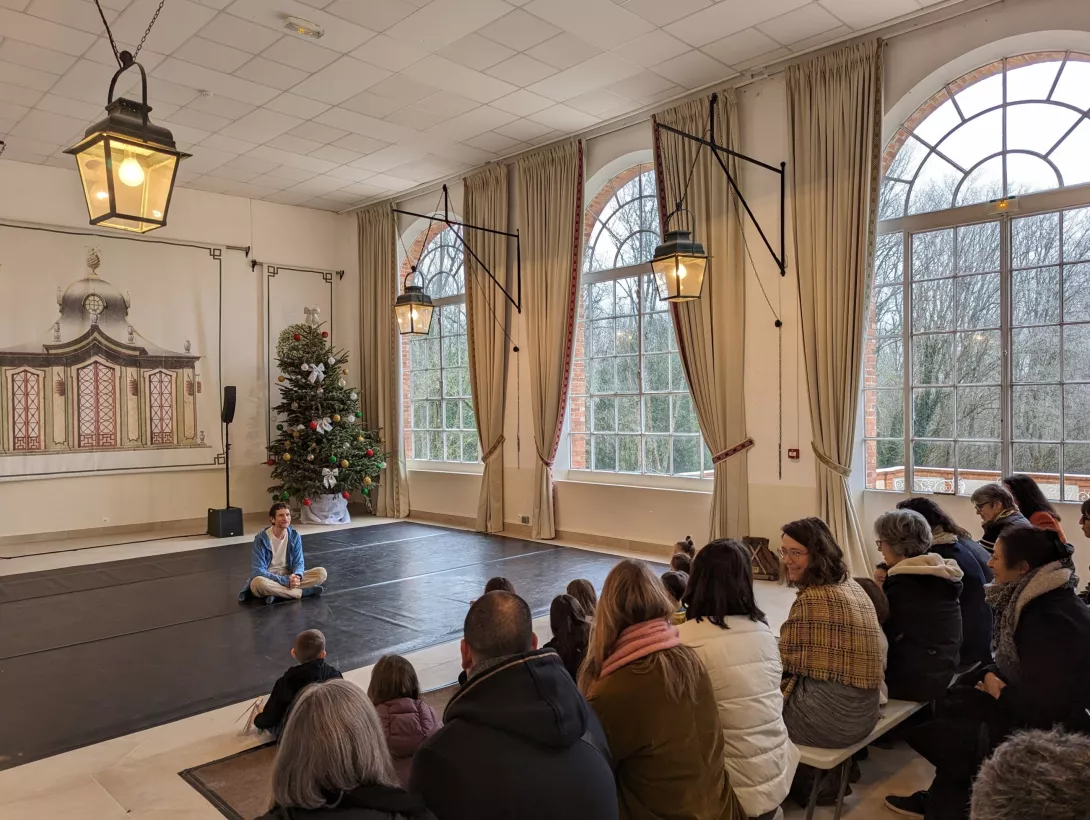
(407, 721)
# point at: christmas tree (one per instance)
(321, 448)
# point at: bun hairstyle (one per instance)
(686, 546)
(1033, 545)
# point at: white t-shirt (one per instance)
(279, 563)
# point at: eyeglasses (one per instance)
(794, 554)
(979, 507)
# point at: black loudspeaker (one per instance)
(228, 414)
(225, 523)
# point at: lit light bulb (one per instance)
(101, 195)
(415, 315)
(680, 271)
(131, 172)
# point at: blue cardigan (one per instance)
(262, 555)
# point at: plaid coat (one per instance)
(832, 634)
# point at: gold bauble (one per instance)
(344, 462)
(280, 378)
(367, 479)
(286, 456)
(336, 417)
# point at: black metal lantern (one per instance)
(679, 264)
(413, 309)
(127, 164)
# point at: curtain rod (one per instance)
(933, 15)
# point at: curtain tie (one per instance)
(494, 448)
(839, 469)
(732, 451)
(548, 462)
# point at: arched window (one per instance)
(96, 385)
(630, 408)
(161, 406)
(26, 416)
(439, 420)
(977, 360)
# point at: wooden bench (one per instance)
(892, 714)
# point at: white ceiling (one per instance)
(397, 93)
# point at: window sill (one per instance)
(454, 467)
(646, 482)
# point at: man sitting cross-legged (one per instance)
(276, 563)
(517, 725)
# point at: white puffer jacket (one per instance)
(744, 664)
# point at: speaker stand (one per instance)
(227, 522)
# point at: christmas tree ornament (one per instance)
(346, 495)
(285, 496)
(286, 456)
(325, 425)
(342, 383)
(297, 338)
(367, 480)
(295, 405)
(314, 424)
(344, 463)
(353, 396)
(313, 446)
(382, 466)
(329, 477)
(271, 462)
(306, 502)
(332, 459)
(280, 378)
(359, 440)
(295, 434)
(336, 417)
(320, 391)
(332, 360)
(304, 367)
(310, 457)
(325, 335)
(370, 453)
(359, 415)
(366, 490)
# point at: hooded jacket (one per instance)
(924, 626)
(407, 723)
(518, 740)
(976, 615)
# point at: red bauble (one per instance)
(271, 462)
(325, 334)
(346, 494)
(297, 337)
(314, 425)
(306, 502)
(370, 453)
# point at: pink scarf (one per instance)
(639, 641)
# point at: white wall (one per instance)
(278, 234)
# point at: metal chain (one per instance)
(155, 17)
(110, 34)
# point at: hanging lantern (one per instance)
(679, 264)
(413, 309)
(127, 164)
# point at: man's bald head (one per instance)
(499, 624)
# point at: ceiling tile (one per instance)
(259, 166)
(211, 55)
(269, 181)
(413, 117)
(447, 105)
(237, 174)
(261, 125)
(403, 89)
(859, 14)
(493, 142)
(340, 34)
(25, 156)
(362, 189)
(194, 76)
(599, 22)
(391, 183)
(728, 17)
(340, 81)
(200, 119)
(385, 52)
(564, 51)
(602, 104)
(285, 198)
(458, 79)
(521, 70)
(372, 105)
(221, 106)
(737, 48)
(231, 145)
(179, 20)
(238, 33)
(15, 5)
(318, 133)
(335, 154)
(693, 70)
(38, 32)
(71, 108)
(563, 118)
(377, 15)
(764, 59)
(349, 173)
(519, 30)
(43, 59)
(164, 92)
(594, 73)
(651, 49)
(320, 184)
(337, 199)
(26, 77)
(476, 52)
(33, 146)
(473, 123)
(523, 130)
(832, 35)
(359, 143)
(83, 16)
(362, 124)
(288, 172)
(644, 87)
(660, 13)
(185, 135)
(297, 106)
(295, 144)
(19, 94)
(800, 24)
(13, 112)
(48, 127)
(299, 54)
(389, 157)
(89, 82)
(102, 52)
(442, 22)
(270, 73)
(304, 163)
(522, 103)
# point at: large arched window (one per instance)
(439, 420)
(977, 361)
(630, 409)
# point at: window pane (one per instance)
(1077, 353)
(656, 414)
(933, 463)
(1036, 240)
(933, 359)
(604, 415)
(934, 187)
(978, 248)
(601, 376)
(1035, 296)
(1077, 235)
(1036, 412)
(677, 374)
(888, 310)
(628, 454)
(1077, 412)
(889, 362)
(889, 259)
(932, 254)
(1036, 354)
(983, 183)
(628, 414)
(470, 448)
(1077, 292)
(981, 95)
(979, 357)
(628, 374)
(602, 338)
(933, 306)
(975, 140)
(978, 301)
(628, 340)
(1077, 472)
(452, 415)
(453, 446)
(684, 415)
(658, 330)
(1026, 174)
(978, 464)
(978, 412)
(656, 454)
(1043, 461)
(889, 412)
(1070, 155)
(891, 199)
(933, 412)
(887, 457)
(605, 452)
(686, 455)
(656, 372)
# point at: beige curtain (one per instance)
(835, 109)
(711, 331)
(380, 360)
(550, 190)
(485, 204)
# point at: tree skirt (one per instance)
(327, 509)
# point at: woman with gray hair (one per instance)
(997, 509)
(333, 761)
(924, 624)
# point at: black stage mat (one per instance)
(94, 652)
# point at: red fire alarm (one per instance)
(793, 453)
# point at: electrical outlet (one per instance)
(793, 454)
(524, 519)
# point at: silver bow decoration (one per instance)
(312, 315)
(329, 477)
(325, 425)
(317, 372)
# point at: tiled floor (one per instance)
(135, 776)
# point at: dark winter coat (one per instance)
(363, 803)
(571, 656)
(291, 683)
(981, 555)
(518, 741)
(993, 529)
(923, 628)
(407, 723)
(976, 615)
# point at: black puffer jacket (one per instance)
(924, 626)
(976, 615)
(364, 803)
(518, 741)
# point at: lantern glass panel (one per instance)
(92, 170)
(679, 277)
(142, 181)
(413, 319)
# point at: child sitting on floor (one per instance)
(309, 654)
(407, 721)
(675, 583)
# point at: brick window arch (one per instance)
(977, 356)
(26, 415)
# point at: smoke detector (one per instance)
(298, 25)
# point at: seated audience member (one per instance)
(953, 543)
(686, 546)
(1084, 524)
(309, 654)
(996, 508)
(830, 645)
(407, 721)
(571, 631)
(1035, 774)
(881, 609)
(276, 562)
(675, 583)
(499, 584)
(681, 562)
(1033, 504)
(518, 739)
(332, 762)
(731, 636)
(1042, 664)
(582, 590)
(657, 704)
(924, 624)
